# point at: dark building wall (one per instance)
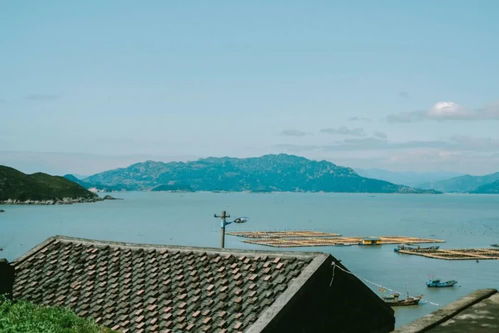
(6, 277)
(345, 305)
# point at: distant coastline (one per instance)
(17, 188)
(63, 201)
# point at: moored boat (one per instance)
(440, 284)
(395, 300)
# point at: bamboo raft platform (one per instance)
(455, 254)
(312, 238)
(282, 234)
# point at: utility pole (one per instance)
(223, 217)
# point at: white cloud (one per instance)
(344, 131)
(457, 154)
(452, 144)
(447, 110)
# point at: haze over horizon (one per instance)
(404, 86)
(83, 165)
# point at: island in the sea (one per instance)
(40, 188)
(268, 173)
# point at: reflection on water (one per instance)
(187, 219)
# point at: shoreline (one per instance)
(63, 201)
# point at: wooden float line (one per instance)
(335, 241)
(282, 234)
(455, 254)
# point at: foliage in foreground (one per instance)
(23, 317)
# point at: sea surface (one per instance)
(187, 219)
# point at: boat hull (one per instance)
(395, 301)
(403, 302)
(438, 284)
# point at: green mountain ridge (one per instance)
(20, 187)
(259, 174)
(490, 188)
(464, 184)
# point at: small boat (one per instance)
(416, 248)
(494, 245)
(404, 247)
(440, 284)
(395, 300)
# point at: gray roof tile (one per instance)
(134, 288)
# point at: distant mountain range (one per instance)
(490, 188)
(85, 184)
(260, 174)
(414, 179)
(465, 184)
(17, 187)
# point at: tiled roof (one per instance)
(149, 288)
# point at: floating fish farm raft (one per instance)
(455, 254)
(282, 234)
(313, 238)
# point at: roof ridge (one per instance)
(183, 248)
(37, 248)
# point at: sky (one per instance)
(401, 85)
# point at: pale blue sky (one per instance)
(401, 85)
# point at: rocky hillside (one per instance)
(17, 187)
(490, 188)
(260, 174)
(463, 184)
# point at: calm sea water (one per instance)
(187, 219)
